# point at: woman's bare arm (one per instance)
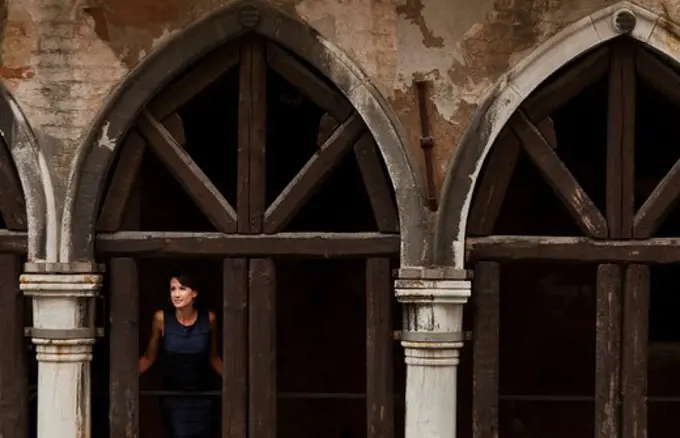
(215, 359)
(151, 353)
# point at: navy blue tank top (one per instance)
(186, 352)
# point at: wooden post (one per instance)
(13, 373)
(379, 372)
(634, 352)
(262, 347)
(485, 350)
(124, 348)
(124, 328)
(607, 348)
(235, 348)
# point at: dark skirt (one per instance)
(188, 417)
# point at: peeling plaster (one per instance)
(104, 140)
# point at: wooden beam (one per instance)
(308, 82)
(12, 203)
(243, 152)
(546, 100)
(377, 184)
(124, 348)
(563, 183)
(257, 126)
(262, 346)
(485, 350)
(312, 175)
(490, 193)
(13, 242)
(607, 351)
(175, 126)
(634, 352)
(659, 75)
(620, 204)
(124, 178)
(379, 339)
(547, 129)
(156, 244)
(191, 84)
(188, 174)
(327, 125)
(235, 348)
(580, 249)
(14, 415)
(659, 205)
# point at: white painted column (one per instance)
(432, 336)
(63, 332)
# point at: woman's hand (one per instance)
(146, 361)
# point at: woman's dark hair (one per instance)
(186, 281)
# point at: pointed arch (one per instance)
(511, 90)
(105, 135)
(28, 203)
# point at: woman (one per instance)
(187, 339)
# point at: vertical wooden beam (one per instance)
(124, 326)
(607, 351)
(621, 141)
(259, 294)
(124, 348)
(252, 136)
(262, 349)
(379, 369)
(244, 113)
(485, 353)
(634, 352)
(13, 365)
(235, 348)
(258, 135)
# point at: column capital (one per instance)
(437, 285)
(433, 299)
(52, 285)
(64, 312)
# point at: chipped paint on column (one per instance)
(433, 321)
(60, 302)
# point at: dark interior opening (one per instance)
(321, 303)
(547, 341)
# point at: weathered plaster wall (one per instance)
(61, 58)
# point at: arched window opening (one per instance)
(253, 173)
(18, 366)
(573, 235)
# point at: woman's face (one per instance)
(181, 295)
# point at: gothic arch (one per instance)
(29, 201)
(99, 148)
(510, 91)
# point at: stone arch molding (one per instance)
(107, 131)
(35, 179)
(512, 89)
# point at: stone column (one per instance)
(432, 336)
(63, 332)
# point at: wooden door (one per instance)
(257, 173)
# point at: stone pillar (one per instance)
(63, 332)
(432, 336)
